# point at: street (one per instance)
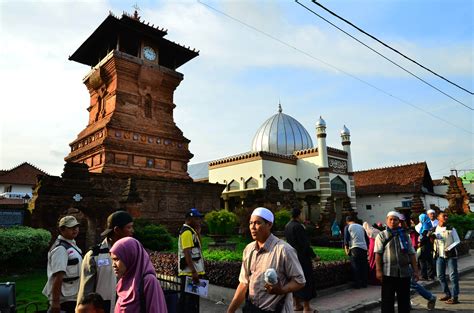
(466, 297)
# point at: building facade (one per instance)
(284, 170)
(405, 188)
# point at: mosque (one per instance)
(284, 169)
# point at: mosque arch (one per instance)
(338, 185)
(288, 184)
(309, 184)
(251, 183)
(233, 185)
(272, 182)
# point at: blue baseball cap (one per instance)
(194, 213)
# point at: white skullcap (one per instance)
(430, 211)
(401, 216)
(393, 213)
(264, 213)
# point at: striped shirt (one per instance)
(396, 263)
(276, 254)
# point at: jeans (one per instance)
(452, 264)
(420, 289)
(360, 267)
(392, 286)
(188, 302)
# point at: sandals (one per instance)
(452, 301)
(445, 298)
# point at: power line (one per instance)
(383, 56)
(333, 66)
(393, 49)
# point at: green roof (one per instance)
(468, 178)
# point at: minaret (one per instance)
(323, 169)
(322, 149)
(346, 145)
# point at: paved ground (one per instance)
(466, 297)
(343, 299)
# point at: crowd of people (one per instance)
(393, 254)
(276, 275)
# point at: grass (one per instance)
(326, 254)
(28, 289)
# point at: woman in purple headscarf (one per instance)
(138, 290)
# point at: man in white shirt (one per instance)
(432, 215)
(445, 243)
(64, 264)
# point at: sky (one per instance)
(253, 55)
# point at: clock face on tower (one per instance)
(149, 53)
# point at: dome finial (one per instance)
(279, 106)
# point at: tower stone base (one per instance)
(91, 197)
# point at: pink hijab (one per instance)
(136, 259)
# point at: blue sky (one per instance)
(236, 82)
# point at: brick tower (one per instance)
(131, 129)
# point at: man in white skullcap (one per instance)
(432, 215)
(267, 251)
(393, 255)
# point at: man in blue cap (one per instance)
(191, 262)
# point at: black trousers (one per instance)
(188, 302)
(426, 262)
(69, 306)
(399, 286)
(360, 267)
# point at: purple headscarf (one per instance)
(139, 267)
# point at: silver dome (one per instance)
(281, 134)
(321, 122)
(345, 131)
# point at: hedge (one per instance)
(22, 246)
(153, 236)
(226, 274)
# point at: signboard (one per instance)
(11, 217)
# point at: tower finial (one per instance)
(279, 106)
(135, 14)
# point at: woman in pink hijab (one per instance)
(138, 290)
(371, 232)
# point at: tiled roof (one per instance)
(199, 170)
(396, 179)
(23, 174)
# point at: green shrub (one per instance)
(152, 236)
(462, 223)
(221, 222)
(22, 246)
(282, 218)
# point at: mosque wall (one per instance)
(239, 172)
(280, 171)
(307, 168)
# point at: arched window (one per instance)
(309, 184)
(148, 106)
(338, 185)
(251, 183)
(233, 185)
(288, 184)
(272, 182)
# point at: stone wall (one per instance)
(91, 197)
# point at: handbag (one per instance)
(249, 307)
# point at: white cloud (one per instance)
(46, 102)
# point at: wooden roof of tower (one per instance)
(104, 40)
